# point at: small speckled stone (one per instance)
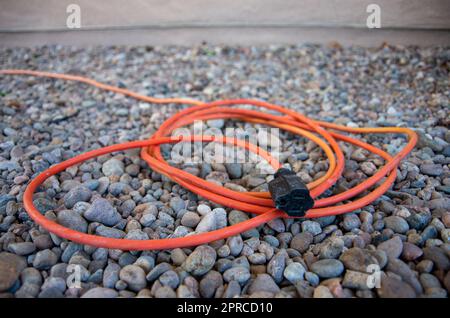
(393, 247)
(311, 227)
(239, 273)
(327, 268)
(200, 260)
(397, 224)
(294, 272)
(22, 248)
(100, 292)
(113, 167)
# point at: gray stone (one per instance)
(257, 258)
(312, 278)
(311, 227)
(304, 290)
(265, 283)
(190, 219)
(429, 281)
(177, 256)
(109, 232)
(45, 259)
(441, 203)
(136, 235)
(22, 248)
(31, 276)
(77, 194)
(236, 244)
(232, 290)
(201, 260)
(117, 188)
(215, 123)
(177, 204)
(356, 280)
(394, 288)
(169, 278)
(147, 219)
(322, 292)
(411, 252)
(111, 275)
(240, 274)
(294, 272)
(235, 217)
(146, 262)
(9, 166)
(51, 293)
(351, 221)
(327, 268)
(96, 277)
(434, 170)
(70, 250)
(100, 292)
(102, 211)
(55, 282)
(203, 209)
(419, 220)
(397, 224)
(437, 256)
(276, 266)
(358, 259)
(28, 290)
(393, 247)
(113, 167)
(302, 241)
(234, 170)
(209, 284)
(72, 220)
(404, 271)
(214, 220)
(165, 292)
(332, 248)
(10, 267)
(5, 198)
(157, 271)
(134, 276)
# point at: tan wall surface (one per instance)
(231, 21)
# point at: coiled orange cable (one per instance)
(322, 133)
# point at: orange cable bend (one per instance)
(325, 135)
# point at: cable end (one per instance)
(290, 194)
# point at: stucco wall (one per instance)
(235, 21)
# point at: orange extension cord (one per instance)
(259, 203)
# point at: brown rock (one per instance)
(356, 280)
(395, 288)
(447, 281)
(438, 256)
(392, 247)
(358, 259)
(302, 241)
(400, 268)
(258, 269)
(304, 290)
(411, 251)
(10, 267)
(263, 282)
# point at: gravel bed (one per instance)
(405, 233)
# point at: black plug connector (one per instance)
(289, 193)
